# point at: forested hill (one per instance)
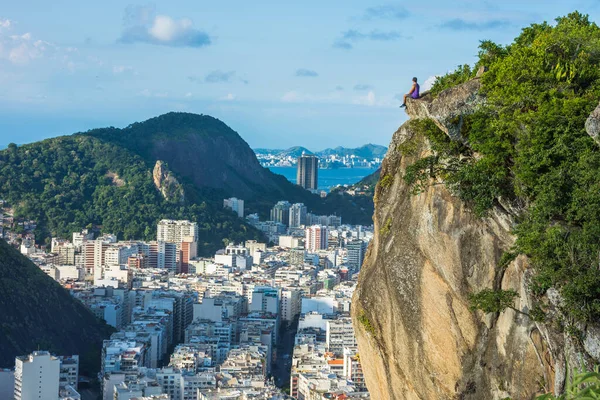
(69, 182)
(37, 313)
(104, 177)
(210, 156)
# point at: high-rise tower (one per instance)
(307, 175)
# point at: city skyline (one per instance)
(70, 67)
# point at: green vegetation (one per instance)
(37, 313)
(493, 301)
(583, 386)
(461, 74)
(65, 184)
(386, 228)
(386, 181)
(103, 178)
(445, 159)
(532, 149)
(366, 323)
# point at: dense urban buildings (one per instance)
(307, 174)
(251, 319)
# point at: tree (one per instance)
(493, 301)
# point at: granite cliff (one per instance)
(418, 337)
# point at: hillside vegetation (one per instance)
(69, 182)
(37, 313)
(103, 177)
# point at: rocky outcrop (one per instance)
(449, 107)
(167, 184)
(592, 125)
(417, 336)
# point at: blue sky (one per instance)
(311, 73)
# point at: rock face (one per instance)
(417, 337)
(592, 125)
(449, 107)
(167, 184)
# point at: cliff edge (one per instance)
(417, 336)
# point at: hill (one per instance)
(109, 177)
(69, 182)
(38, 313)
(213, 162)
(366, 185)
(368, 151)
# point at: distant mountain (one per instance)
(295, 152)
(177, 165)
(37, 313)
(368, 151)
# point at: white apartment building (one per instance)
(340, 334)
(37, 376)
(290, 304)
(176, 231)
(288, 242)
(236, 205)
(316, 238)
(118, 254)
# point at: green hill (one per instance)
(37, 313)
(104, 177)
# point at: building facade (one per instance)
(316, 238)
(307, 174)
(37, 376)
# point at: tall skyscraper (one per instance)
(281, 212)
(307, 175)
(316, 238)
(297, 215)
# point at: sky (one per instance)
(312, 73)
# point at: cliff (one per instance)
(418, 338)
(167, 184)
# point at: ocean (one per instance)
(328, 178)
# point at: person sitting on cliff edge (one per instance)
(413, 93)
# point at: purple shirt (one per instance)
(415, 93)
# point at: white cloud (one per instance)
(23, 48)
(428, 83)
(5, 23)
(188, 95)
(142, 25)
